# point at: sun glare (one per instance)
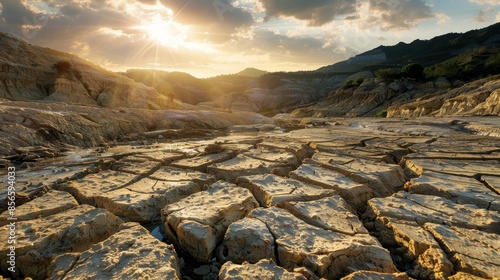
(165, 32)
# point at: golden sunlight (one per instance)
(165, 32)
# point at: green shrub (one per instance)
(349, 84)
(388, 74)
(360, 81)
(413, 71)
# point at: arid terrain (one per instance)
(369, 173)
(341, 198)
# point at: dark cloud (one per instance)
(315, 12)
(398, 14)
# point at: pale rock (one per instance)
(87, 189)
(328, 254)
(131, 253)
(255, 162)
(144, 168)
(247, 240)
(200, 163)
(370, 275)
(470, 168)
(40, 240)
(418, 209)
(430, 259)
(173, 174)
(263, 270)
(330, 213)
(48, 204)
(354, 193)
(442, 83)
(271, 189)
(142, 201)
(197, 222)
(459, 189)
(472, 251)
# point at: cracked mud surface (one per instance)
(351, 199)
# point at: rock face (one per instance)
(130, 253)
(326, 253)
(74, 230)
(263, 270)
(357, 199)
(197, 222)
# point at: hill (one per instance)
(252, 72)
(425, 52)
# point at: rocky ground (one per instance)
(337, 199)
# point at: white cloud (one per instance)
(442, 18)
(484, 15)
(485, 2)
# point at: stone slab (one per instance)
(330, 213)
(270, 189)
(326, 253)
(40, 240)
(198, 222)
(86, 189)
(142, 201)
(48, 204)
(131, 253)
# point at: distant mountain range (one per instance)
(425, 52)
(39, 74)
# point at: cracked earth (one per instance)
(339, 199)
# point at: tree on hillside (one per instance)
(413, 71)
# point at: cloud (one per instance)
(442, 18)
(398, 14)
(314, 12)
(484, 15)
(485, 2)
(216, 19)
(497, 19)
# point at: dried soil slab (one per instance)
(85, 190)
(354, 193)
(471, 251)
(263, 270)
(197, 222)
(270, 189)
(469, 168)
(247, 240)
(200, 163)
(131, 253)
(244, 165)
(173, 174)
(48, 204)
(363, 275)
(430, 260)
(300, 149)
(418, 209)
(274, 155)
(384, 179)
(40, 240)
(459, 189)
(32, 184)
(328, 254)
(142, 168)
(142, 201)
(164, 157)
(330, 213)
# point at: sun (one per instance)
(165, 32)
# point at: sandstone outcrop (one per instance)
(130, 253)
(264, 269)
(40, 240)
(198, 222)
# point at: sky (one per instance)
(212, 37)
